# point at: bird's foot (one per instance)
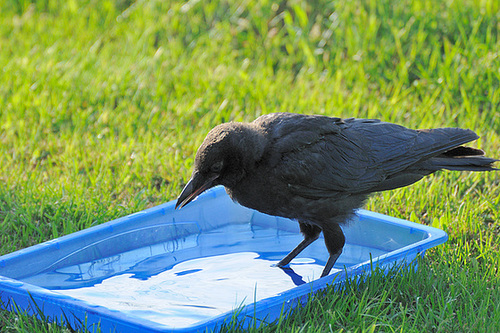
(281, 265)
(331, 261)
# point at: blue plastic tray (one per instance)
(188, 270)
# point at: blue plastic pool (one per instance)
(188, 270)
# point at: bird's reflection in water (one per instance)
(296, 278)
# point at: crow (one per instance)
(318, 170)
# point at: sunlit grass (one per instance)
(104, 103)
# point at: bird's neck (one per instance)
(251, 142)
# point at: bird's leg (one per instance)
(302, 245)
(334, 241)
(329, 264)
(311, 233)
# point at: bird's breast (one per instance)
(260, 194)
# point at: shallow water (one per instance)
(197, 289)
(184, 281)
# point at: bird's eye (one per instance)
(216, 167)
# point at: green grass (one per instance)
(104, 103)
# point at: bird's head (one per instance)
(228, 152)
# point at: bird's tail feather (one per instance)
(463, 159)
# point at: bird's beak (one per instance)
(193, 188)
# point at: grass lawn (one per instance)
(104, 103)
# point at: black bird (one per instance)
(318, 170)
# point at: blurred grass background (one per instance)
(104, 103)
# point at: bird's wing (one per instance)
(340, 157)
